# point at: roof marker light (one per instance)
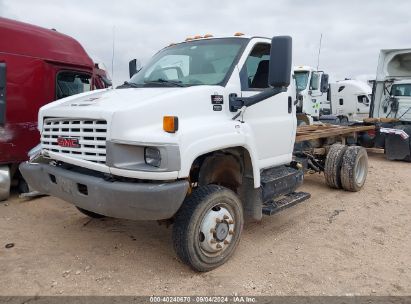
(238, 34)
(208, 36)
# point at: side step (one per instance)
(271, 207)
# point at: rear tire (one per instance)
(354, 168)
(333, 164)
(207, 227)
(90, 213)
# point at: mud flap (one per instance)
(396, 146)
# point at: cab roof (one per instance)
(34, 41)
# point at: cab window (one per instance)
(255, 71)
(69, 83)
(315, 81)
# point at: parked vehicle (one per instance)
(203, 136)
(312, 88)
(348, 100)
(37, 66)
(391, 105)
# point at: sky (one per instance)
(353, 30)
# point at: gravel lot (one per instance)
(336, 243)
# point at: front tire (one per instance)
(207, 228)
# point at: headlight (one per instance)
(152, 156)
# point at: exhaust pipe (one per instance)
(5, 181)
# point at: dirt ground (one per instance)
(336, 243)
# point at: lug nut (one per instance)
(226, 217)
(218, 220)
(213, 241)
(231, 222)
(212, 230)
(218, 246)
(231, 232)
(226, 242)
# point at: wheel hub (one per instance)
(221, 231)
(216, 230)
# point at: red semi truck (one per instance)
(37, 66)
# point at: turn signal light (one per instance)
(170, 124)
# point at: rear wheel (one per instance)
(354, 168)
(207, 228)
(90, 213)
(333, 164)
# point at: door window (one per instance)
(255, 71)
(315, 81)
(70, 83)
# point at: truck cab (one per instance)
(202, 137)
(312, 87)
(348, 100)
(391, 103)
(37, 66)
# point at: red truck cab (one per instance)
(37, 66)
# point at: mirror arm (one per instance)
(236, 103)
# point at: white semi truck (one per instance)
(391, 104)
(312, 88)
(348, 100)
(204, 136)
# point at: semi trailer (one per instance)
(37, 66)
(204, 136)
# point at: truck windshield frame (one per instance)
(198, 62)
(301, 79)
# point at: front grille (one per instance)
(90, 133)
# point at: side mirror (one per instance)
(324, 83)
(279, 73)
(134, 66)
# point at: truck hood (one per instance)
(109, 99)
(142, 103)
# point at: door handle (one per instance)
(290, 104)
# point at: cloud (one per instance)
(353, 31)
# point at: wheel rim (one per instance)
(360, 169)
(216, 231)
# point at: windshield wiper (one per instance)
(161, 80)
(127, 84)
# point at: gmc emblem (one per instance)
(68, 142)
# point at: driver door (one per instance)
(273, 121)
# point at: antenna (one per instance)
(319, 52)
(112, 56)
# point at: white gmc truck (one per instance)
(204, 136)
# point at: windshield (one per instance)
(202, 62)
(301, 79)
(401, 89)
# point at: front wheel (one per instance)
(207, 228)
